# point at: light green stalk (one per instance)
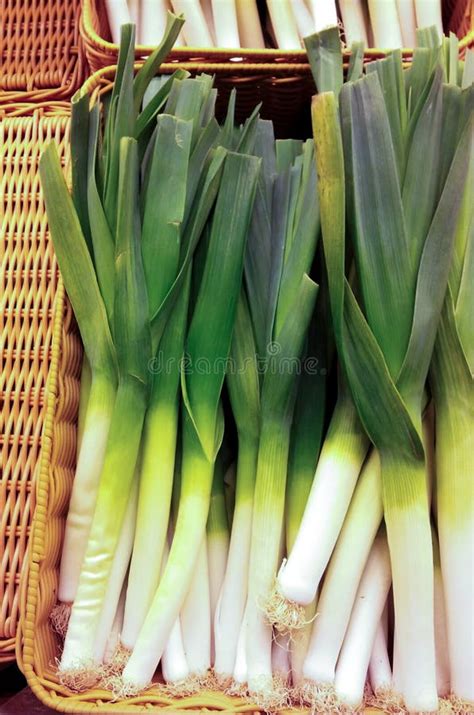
(217, 538)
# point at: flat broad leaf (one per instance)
(76, 265)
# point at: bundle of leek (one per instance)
(377, 151)
(129, 286)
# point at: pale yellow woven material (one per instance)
(28, 286)
(40, 55)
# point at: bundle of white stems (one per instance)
(385, 24)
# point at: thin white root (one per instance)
(272, 697)
(286, 616)
(82, 677)
(186, 687)
(121, 690)
(455, 706)
(321, 699)
(59, 618)
(117, 663)
(387, 700)
(236, 689)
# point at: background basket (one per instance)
(458, 17)
(37, 644)
(28, 289)
(40, 56)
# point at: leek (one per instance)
(250, 29)
(133, 343)
(299, 229)
(152, 21)
(195, 617)
(399, 273)
(343, 575)
(284, 24)
(225, 23)
(354, 659)
(451, 378)
(217, 541)
(202, 416)
(380, 669)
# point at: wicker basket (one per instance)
(39, 50)
(29, 285)
(458, 17)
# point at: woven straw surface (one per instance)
(458, 17)
(39, 49)
(28, 286)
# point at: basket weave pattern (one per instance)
(28, 286)
(40, 55)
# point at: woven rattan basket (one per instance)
(28, 290)
(458, 17)
(39, 50)
(37, 644)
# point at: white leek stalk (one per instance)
(208, 14)
(240, 668)
(344, 573)
(217, 538)
(225, 23)
(117, 575)
(303, 18)
(266, 531)
(196, 617)
(406, 14)
(284, 24)
(380, 671)
(368, 608)
(443, 676)
(85, 486)
(134, 10)
(114, 636)
(428, 13)
(354, 22)
(243, 386)
(281, 657)
(217, 545)
(118, 14)
(231, 606)
(396, 668)
(385, 24)
(195, 30)
(324, 14)
(174, 666)
(152, 22)
(339, 465)
(250, 29)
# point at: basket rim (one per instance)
(266, 57)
